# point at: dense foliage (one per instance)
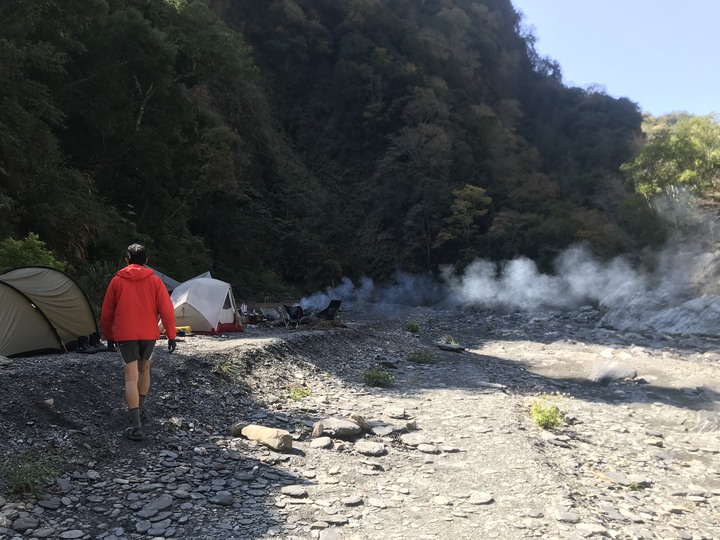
(297, 141)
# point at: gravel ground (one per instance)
(448, 450)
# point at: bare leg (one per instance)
(131, 385)
(132, 398)
(143, 385)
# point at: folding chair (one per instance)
(329, 312)
(294, 314)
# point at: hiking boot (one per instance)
(83, 346)
(134, 434)
(95, 342)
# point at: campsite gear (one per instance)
(329, 312)
(291, 315)
(83, 346)
(207, 306)
(43, 310)
(184, 329)
(95, 343)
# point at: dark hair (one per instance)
(136, 254)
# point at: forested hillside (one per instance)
(292, 142)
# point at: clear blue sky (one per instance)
(662, 54)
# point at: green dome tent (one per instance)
(41, 310)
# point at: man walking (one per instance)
(132, 303)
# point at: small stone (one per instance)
(369, 448)
(297, 492)
(222, 498)
(72, 534)
(479, 497)
(51, 504)
(321, 442)
(24, 523)
(352, 501)
(395, 412)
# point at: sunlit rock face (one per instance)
(683, 297)
(698, 316)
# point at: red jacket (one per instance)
(133, 301)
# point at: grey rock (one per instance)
(321, 442)
(480, 497)
(223, 498)
(143, 526)
(163, 502)
(341, 428)
(369, 448)
(24, 523)
(414, 439)
(51, 504)
(73, 534)
(294, 491)
(611, 370)
(428, 448)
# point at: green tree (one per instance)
(28, 251)
(470, 204)
(685, 156)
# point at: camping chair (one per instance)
(329, 312)
(294, 314)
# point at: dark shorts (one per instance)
(140, 349)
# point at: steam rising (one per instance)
(515, 285)
(518, 285)
(681, 296)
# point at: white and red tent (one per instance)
(207, 306)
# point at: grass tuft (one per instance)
(421, 357)
(376, 377)
(299, 392)
(26, 473)
(412, 326)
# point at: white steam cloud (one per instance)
(519, 285)
(514, 285)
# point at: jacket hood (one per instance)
(134, 272)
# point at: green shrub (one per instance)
(546, 413)
(412, 326)
(29, 251)
(299, 392)
(229, 368)
(421, 357)
(377, 377)
(27, 473)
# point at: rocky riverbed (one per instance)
(448, 450)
